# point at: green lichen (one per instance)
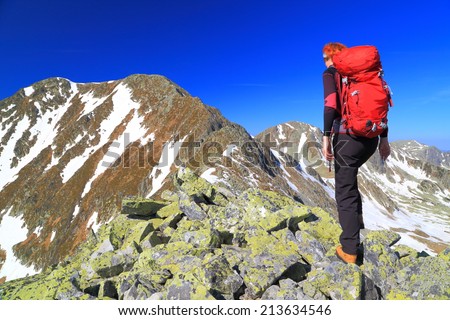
(383, 237)
(195, 186)
(445, 254)
(142, 206)
(268, 258)
(187, 287)
(228, 245)
(169, 210)
(137, 233)
(44, 286)
(427, 278)
(323, 227)
(397, 295)
(339, 281)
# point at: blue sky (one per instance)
(259, 62)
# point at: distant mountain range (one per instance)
(70, 153)
(409, 194)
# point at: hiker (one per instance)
(351, 151)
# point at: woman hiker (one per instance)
(350, 153)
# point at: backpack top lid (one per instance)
(359, 59)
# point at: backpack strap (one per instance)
(342, 89)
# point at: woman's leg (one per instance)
(350, 153)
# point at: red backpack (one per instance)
(365, 96)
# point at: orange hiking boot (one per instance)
(347, 258)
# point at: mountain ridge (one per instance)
(71, 152)
(75, 151)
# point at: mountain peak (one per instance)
(70, 151)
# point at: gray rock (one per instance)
(156, 296)
(268, 259)
(112, 263)
(286, 290)
(141, 207)
(218, 276)
(425, 278)
(192, 210)
(338, 280)
(181, 288)
(309, 247)
(106, 246)
(380, 260)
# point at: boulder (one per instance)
(425, 278)
(338, 281)
(191, 209)
(113, 263)
(287, 289)
(141, 206)
(267, 259)
(187, 288)
(380, 260)
(216, 274)
(310, 248)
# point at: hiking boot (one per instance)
(347, 258)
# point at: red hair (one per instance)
(331, 48)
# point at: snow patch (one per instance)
(302, 142)
(11, 106)
(289, 126)
(13, 231)
(45, 132)
(280, 161)
(122, 105)
(76, 212)
(90, 103)
(134, 131)
(208, 176)
(28, 91)
(280, 132)
(38, 231)
(92, 223)
(6, 172)
(377, 218)
(162, 169)
(229, 150)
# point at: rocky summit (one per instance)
(201, 241)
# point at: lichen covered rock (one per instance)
(380, 260)
(425, 278)
(337, 281)
(141, 206)
(268, 258)
(201, 244)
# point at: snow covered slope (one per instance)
(70, 152)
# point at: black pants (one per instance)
(350, 153)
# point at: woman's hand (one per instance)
(384, 149)
(326, 148)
